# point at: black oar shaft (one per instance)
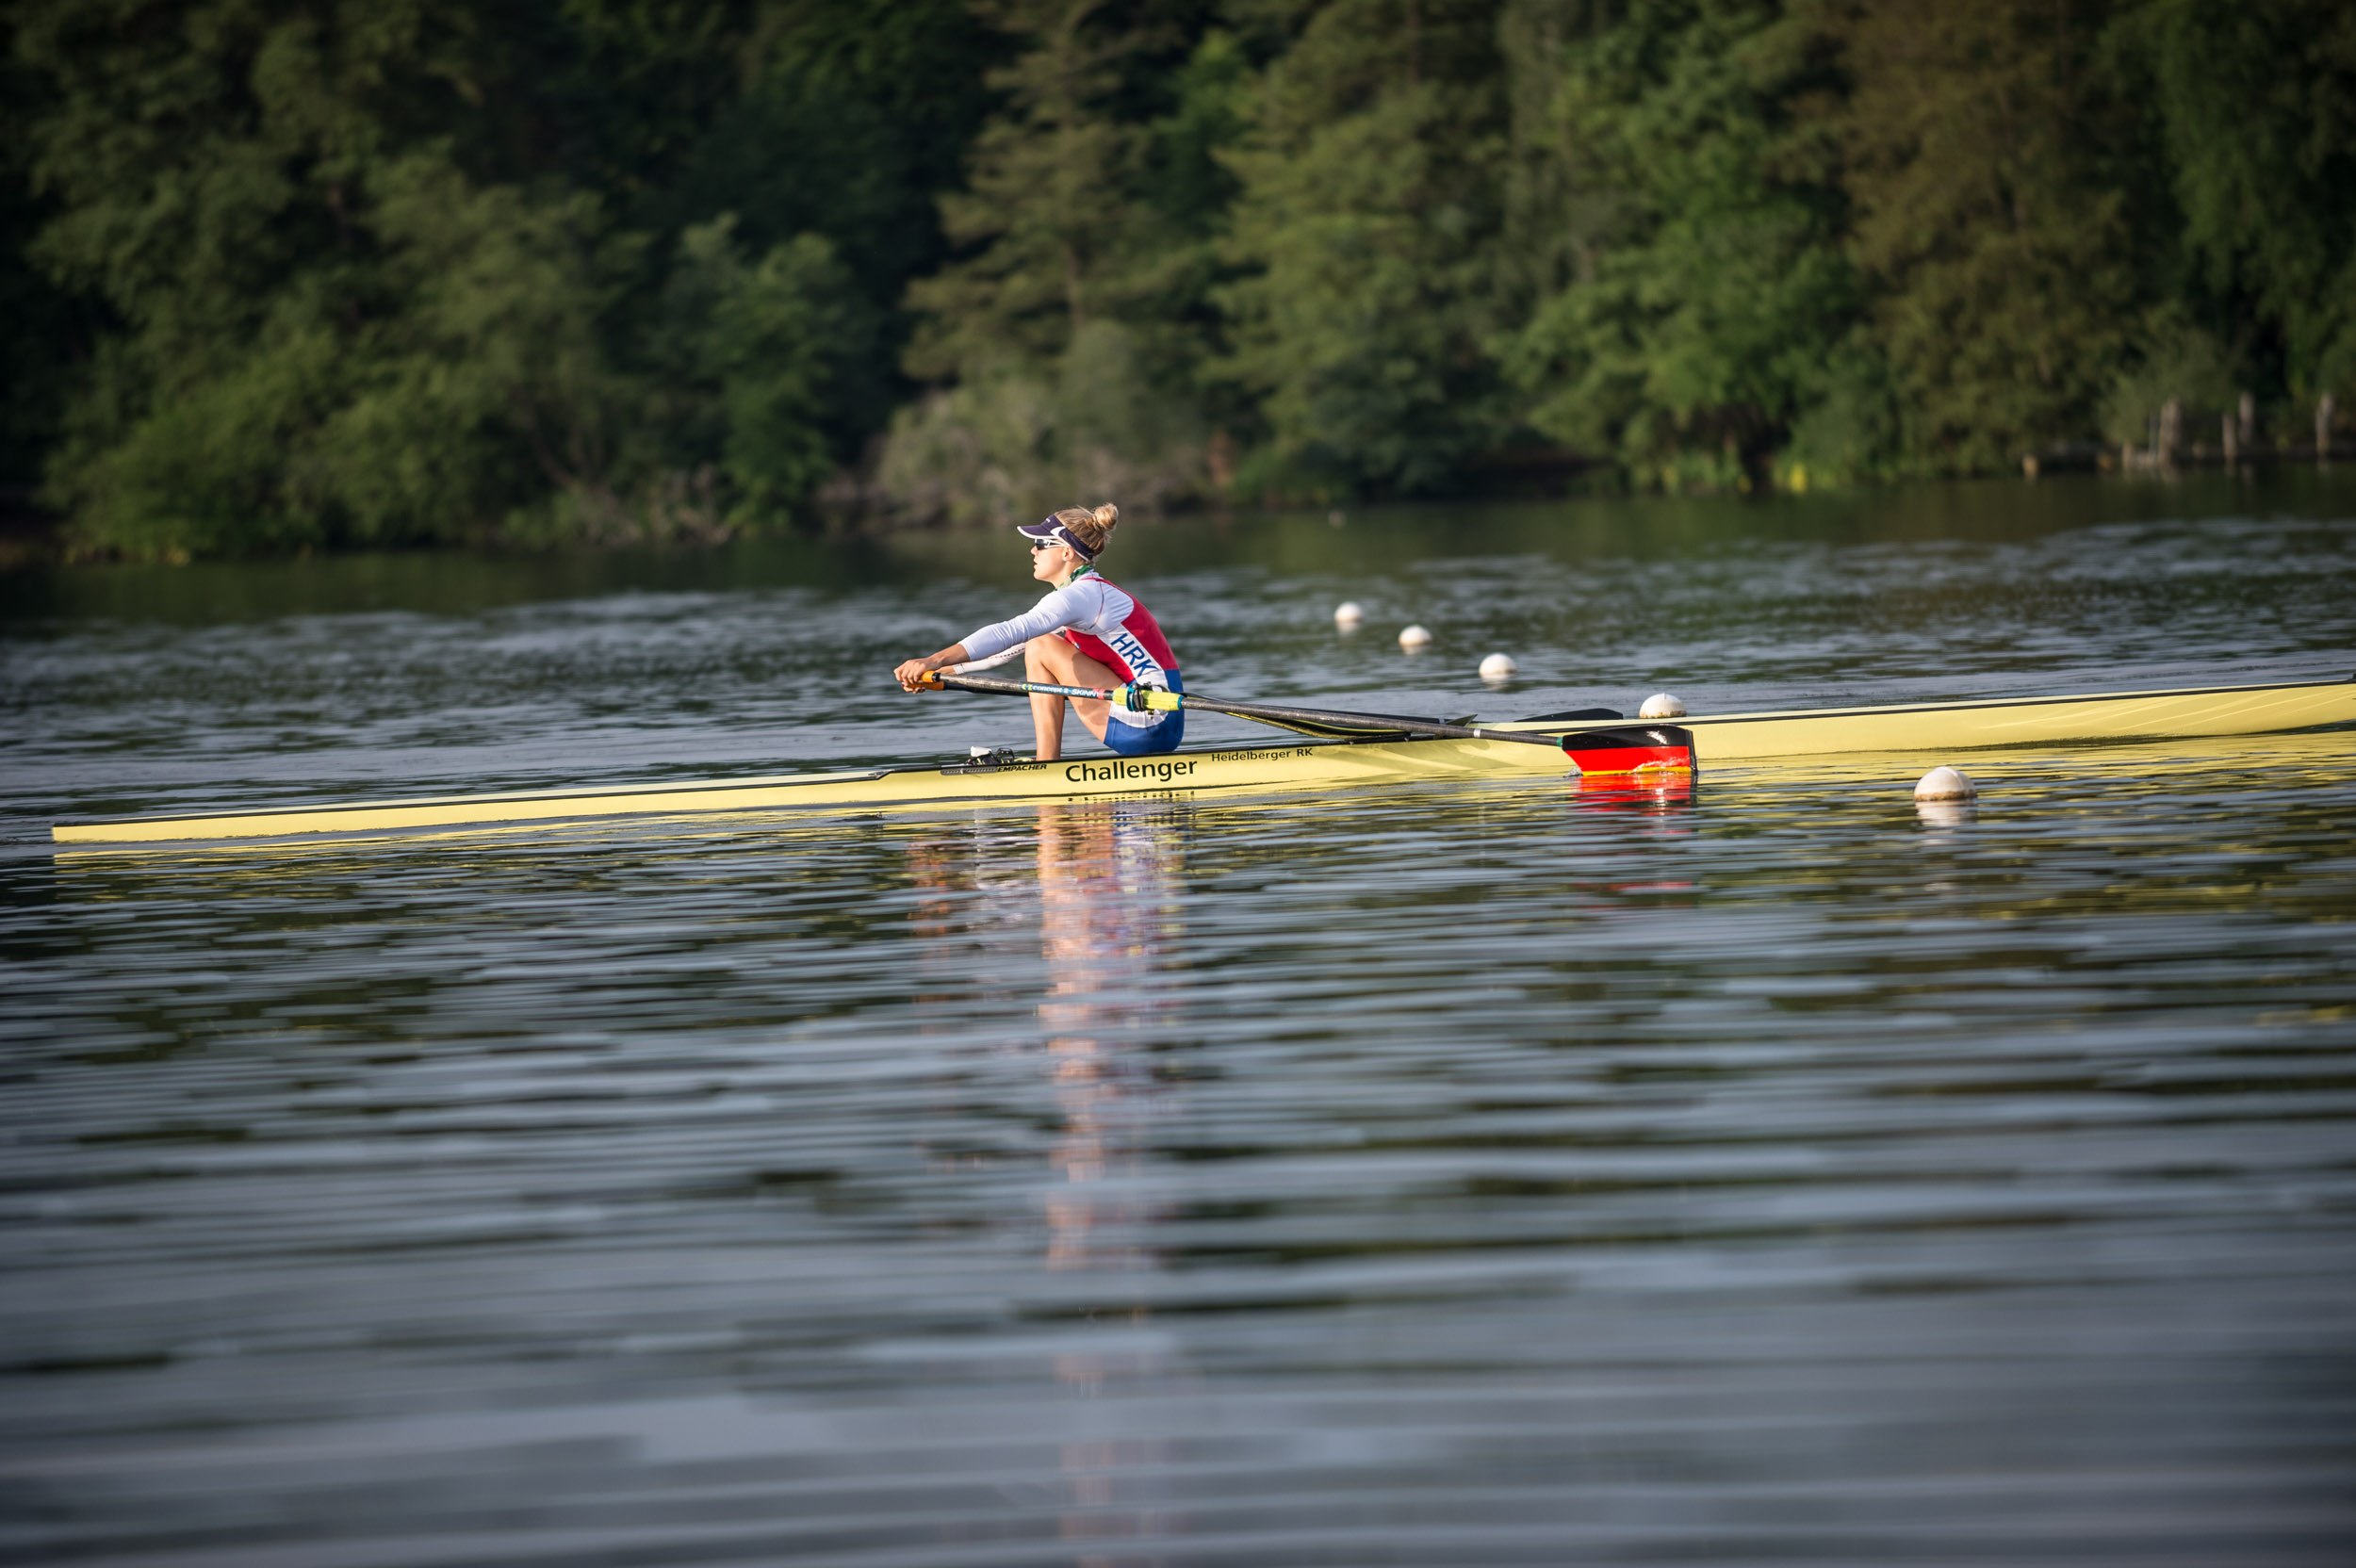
(1314, 721)
(1326, 722)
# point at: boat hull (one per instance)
(1943, 727)
(1953, 727)
(1306, 765)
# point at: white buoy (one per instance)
(1348, 616)
(1661, 705)
(1945, 783)
(1414, 637)
(1498, 668)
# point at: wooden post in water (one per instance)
(2324, 408)
(2232, 451)
(2249, 412)
(2171, 427)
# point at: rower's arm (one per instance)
(954, 654)
(1073, 604)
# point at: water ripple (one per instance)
(1470, 1173)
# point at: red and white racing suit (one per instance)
(1102, 622)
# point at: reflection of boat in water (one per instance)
(1650, 795)
(1616, 748)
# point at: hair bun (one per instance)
(1091, 526)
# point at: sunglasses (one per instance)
(1038, 545)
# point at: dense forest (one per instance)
(292, 274)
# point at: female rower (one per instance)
(1084, 632)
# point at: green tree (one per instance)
(1987, 225)
(1707, 294)
(401, 272)
(2256, 104)
(1368, 205)
(2171, 360)
(225, 183)
(454, 382)
(42, 327)
(840, 117)
(773, 364)
(1047, 220)
(294, 272)
(1062, 340)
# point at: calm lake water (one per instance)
(1450, 1175)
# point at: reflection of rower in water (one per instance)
(1109, 931)
(1108, 927)
(1086, 633)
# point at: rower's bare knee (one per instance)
(1039, 655)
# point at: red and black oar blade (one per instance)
(1641, 751)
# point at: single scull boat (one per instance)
(1391, 750)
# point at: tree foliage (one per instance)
(1711, 290)
(1361, 228)
(411, 271)
(2257, 107)
(286, 273)
(1986, 219)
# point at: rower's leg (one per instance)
(1046, 727)
(1046, 712)
(1052, 662)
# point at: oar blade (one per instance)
(1637, 752)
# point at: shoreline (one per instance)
(34, 540)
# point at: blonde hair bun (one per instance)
(1094, 527)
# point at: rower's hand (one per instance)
(907, 673)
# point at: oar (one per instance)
(1305, 721)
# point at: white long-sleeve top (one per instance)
(1101, 621)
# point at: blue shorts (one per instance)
(1149, 740)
